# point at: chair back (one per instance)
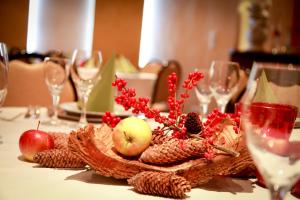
(26, 86)
(153, 66)
(161, 93)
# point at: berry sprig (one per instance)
(211, 132)
(175, 120)
(110, 119)
(175, 123)
(176, 105)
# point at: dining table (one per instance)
(20, 179)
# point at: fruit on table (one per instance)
(131, 136)
(34, 141)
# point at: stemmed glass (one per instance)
(85, 73)
(203, 92)
(268, 118)
(224, 78)
(56, 71)
(3, 72)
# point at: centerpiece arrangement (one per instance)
(182, 152)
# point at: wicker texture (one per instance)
(95, 147)
(163, 184)
(60, 140)
(173, 151)
(159, 138)
(58, 158)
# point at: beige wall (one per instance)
(183, 33)
(13, 22)
(184, 29)
(118, 27)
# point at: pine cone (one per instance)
(58, 158)
(159, 138)
(160, 183)
(173, 151)
(193, 123)
(60, 140)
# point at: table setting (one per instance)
(112, 144)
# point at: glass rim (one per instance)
(271, 105)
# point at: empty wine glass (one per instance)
(269, 111)
(203, 92)
(3, 72)
(224, 77)
(85, 73)
(56, 71)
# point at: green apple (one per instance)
(131, 136)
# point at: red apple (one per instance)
(34, 141)
(131, 136)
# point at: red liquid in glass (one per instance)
(276, 120)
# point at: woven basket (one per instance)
(95, 147)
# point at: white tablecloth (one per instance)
(24, 180)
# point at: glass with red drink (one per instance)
(268, 121)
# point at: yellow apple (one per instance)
(131, 136)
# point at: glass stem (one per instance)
(55, 101)
(83, 119)
(204, 109)
(278, 193)
(222, 107)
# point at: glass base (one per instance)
(52, 122)
(82, 124)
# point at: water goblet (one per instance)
(3, 72)
(268, 118)
(55, 76)
(85, 73)
(224, 78)
(203, 92)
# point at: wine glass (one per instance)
(85, 73)
(203, 92)
(3, 72)
(269, 110)
(224, 78)
(56, 71)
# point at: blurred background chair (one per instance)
(16, 53)
(27, 86)
(153, 66)
(241, 88)
(160, 91)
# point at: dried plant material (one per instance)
(159, 183)
(60, 140)
(249, 172)
(159, 138)
(193, 123)
(228, 138)
(95, 147)
(173, 151)
(58, 158)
